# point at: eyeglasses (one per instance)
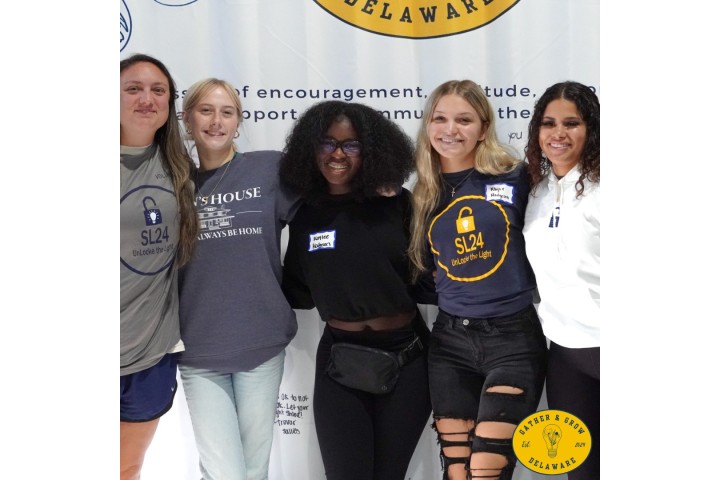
(350, 148)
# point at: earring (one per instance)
(188, 129)
(237, 134)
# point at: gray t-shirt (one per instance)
(149, 237)
(233, 314)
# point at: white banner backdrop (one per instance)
(285, 55)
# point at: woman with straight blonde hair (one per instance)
(487, 354)
(234, 318)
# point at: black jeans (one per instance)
(573, 386)
(364, 436)
(470, 355)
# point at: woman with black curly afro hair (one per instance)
(386, 151)
(347, 256)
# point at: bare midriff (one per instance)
(389, 322)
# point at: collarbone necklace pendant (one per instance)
(458, 184)
(204, 198)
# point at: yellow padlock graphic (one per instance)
(465, 224)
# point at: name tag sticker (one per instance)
(322, 240)
(500, 192)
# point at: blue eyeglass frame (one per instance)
(325, 143)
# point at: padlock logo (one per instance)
(152, 215)
(465, 224)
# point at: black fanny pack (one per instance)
(370, 369)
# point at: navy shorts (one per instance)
(149, 394)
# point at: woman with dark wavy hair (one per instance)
(588, 158)
(347, 256)
(562, 233)
(158, 227)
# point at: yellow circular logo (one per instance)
(419, 18)
(471, 252)
(552, 442)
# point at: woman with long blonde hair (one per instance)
(234, 318)
(487, 355)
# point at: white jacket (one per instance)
(562, 235)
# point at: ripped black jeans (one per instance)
(468, 356)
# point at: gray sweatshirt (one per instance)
(233, 314)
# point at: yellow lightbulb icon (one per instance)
(552, 435)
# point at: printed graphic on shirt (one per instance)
(554, 217)
(322, 241)
(148, 238)
(216, 215)
(552, 442)
(215, 218)
(470, 237)
(153, 216)
(228, 197)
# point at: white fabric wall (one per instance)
(299, 46)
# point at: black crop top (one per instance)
(349, 258)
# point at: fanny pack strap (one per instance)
(411, 351)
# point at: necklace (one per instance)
(457, 185)
(204, 198)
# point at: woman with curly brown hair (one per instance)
(347, 256)
(562, 231)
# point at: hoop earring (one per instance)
(237, 134)
(188, 130)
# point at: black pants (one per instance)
(364, 436)
(573, 386)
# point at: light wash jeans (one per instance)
(232, 415)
